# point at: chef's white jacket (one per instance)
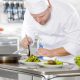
(62, 30)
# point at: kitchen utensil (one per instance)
(29, 52)
(9, 58)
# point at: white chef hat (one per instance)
(37, 6)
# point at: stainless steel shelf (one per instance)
(14, 9)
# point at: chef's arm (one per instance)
(52, 52)
(72, 30)
(59, 52)
(67, 49)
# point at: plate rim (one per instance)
(54, 66)
(27, 63)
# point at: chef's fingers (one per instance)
(25, 42)
(40, 52)
(29, 40)
(44, 52)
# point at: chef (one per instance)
(57, 24)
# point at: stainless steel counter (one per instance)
(66, 71)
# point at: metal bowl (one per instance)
(9, 58)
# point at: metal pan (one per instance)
(9, 58)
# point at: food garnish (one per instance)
(32, 58)
(77, 60)
(54, 62)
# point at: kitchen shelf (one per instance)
(13, 0)
(14, 9)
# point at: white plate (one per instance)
(28, 63)
(51, 66)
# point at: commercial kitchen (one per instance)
(11, 22)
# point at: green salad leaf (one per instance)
(77, 60)
(58, 62)
(54, 62)
(32, 58)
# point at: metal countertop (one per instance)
(65, 71)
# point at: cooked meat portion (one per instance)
(52, 62)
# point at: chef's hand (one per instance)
(44, 52)
(26, 41)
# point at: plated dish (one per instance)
(34, 60)
(28, 63)
(52, 66)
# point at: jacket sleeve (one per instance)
(27, 28)
(72, 31)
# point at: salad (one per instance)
(54, 62)
(32, 58)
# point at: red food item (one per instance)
(1, 29)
